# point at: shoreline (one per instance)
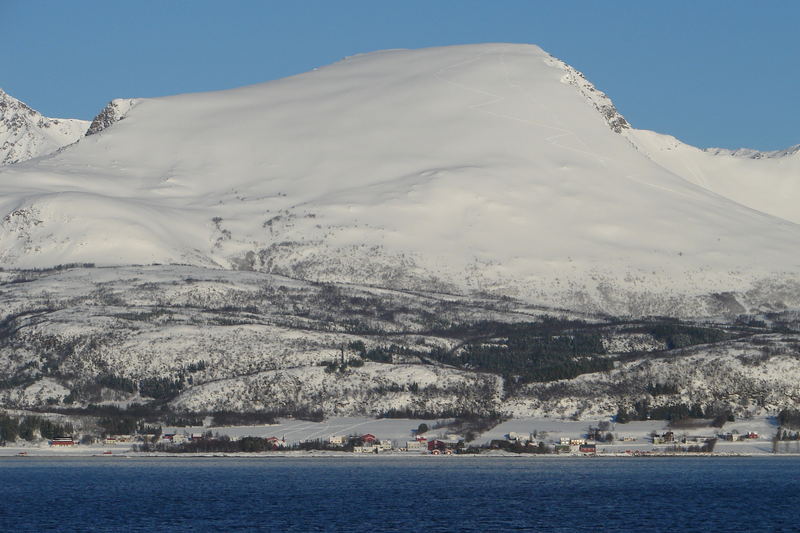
(127, 454)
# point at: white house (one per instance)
(417, 446)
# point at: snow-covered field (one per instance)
(295, 431)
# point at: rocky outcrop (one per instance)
(111, 114)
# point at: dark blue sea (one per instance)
(428, 494)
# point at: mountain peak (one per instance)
(26, 133)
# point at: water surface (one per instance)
(400, 494)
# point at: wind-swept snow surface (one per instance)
(766, 181)
(484, 168)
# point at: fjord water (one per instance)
(399, 494)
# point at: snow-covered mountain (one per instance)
(766, 181)
(25, 133)
(484, 168)
(395, 233)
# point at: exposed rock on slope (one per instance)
(111, 113)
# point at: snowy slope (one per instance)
(25, 133)
(766, 181)
(483, 168)
(249, 341)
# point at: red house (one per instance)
(369, 437)
(587, 448)
(436, 445)
(62, 441)
(275, 442)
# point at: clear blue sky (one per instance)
(711, 72)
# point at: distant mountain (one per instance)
(25, 133)
(493, 169)
(766, 181)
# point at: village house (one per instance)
(337, 440)
(587, 448)
(417, 445)
(666, 438)
(367, 448)
(735, 436)
(174, 438)
(436, 444)
(275, 442)
(63, 441)
(513, 436)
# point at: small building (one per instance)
(366, 448)
(577, 442)
(564, 441)
(369, 437)
(665, 438)
(416, 445)
(63, 441)
(275, 442)
(337, 440)
(587, 448)
(436, 444)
